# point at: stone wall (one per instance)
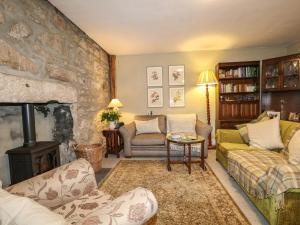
(40, 44)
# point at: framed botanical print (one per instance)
(176, 96)
(154, 76)
(176, 75)
(155, 97)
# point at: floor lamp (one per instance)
(207, 78)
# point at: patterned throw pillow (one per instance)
(243, 127)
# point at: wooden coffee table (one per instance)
(186, 143)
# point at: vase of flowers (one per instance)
(111, 116)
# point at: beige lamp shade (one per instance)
(207, 77)
(115, 103)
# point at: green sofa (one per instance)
(276, 213)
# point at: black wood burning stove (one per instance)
(33, 157)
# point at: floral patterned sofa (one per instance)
(71, 191)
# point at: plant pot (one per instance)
(112, 125)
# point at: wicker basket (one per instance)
(92, 153)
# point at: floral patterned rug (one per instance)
(183, 199)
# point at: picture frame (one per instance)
(273, 114)
(293, 116)
(176, 75)
(176, 97)
(155, 97)
(154, 76)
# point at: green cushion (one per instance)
(286, 129)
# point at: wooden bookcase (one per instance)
(238, 98)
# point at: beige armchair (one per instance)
(154, 144)
(71, 191)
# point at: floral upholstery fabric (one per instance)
(71, 191)
(59, 186)
(83, 206)
(132, 208)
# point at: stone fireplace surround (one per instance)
(51, 99)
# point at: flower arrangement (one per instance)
(110, 115)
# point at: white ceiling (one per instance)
(125, 27)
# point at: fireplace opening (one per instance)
(33, 157)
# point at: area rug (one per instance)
(183, 199)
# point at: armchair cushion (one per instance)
(149, 139)
(182, 123)
(161, 121)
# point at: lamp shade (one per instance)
(115, 103)
(207, 77)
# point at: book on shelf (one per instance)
(240, 72)
(236, 88)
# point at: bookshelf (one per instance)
(238, 93)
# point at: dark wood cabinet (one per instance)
(281, 74)
(238, 92)
(281, 85)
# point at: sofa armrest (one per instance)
(204, 130)
(58, 186)
(132, 208)
(128, 131)
(228, 135)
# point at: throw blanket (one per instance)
(263, 173)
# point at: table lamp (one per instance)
(207, 78)
(115, 104)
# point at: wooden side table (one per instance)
(189, 160)
(114, 142)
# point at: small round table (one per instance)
(186, 142)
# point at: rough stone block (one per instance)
(2, 18)
(59, 73)
(9, 56)
(20, 30)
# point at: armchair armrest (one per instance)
(204, 130)
(58, 186)
(132, 208)
(228, 135)
(128, 132)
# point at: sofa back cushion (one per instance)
(15, 210)
(185, 123)
(161, 121)
(58, 186)
(265, 135)
(287, 129)
(294, 148)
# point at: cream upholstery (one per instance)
(71, 191)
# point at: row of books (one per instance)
(239, 98)
(248, 71)
(235, 88)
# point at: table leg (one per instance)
(190, 158)
(202, 164)
(168, 156)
